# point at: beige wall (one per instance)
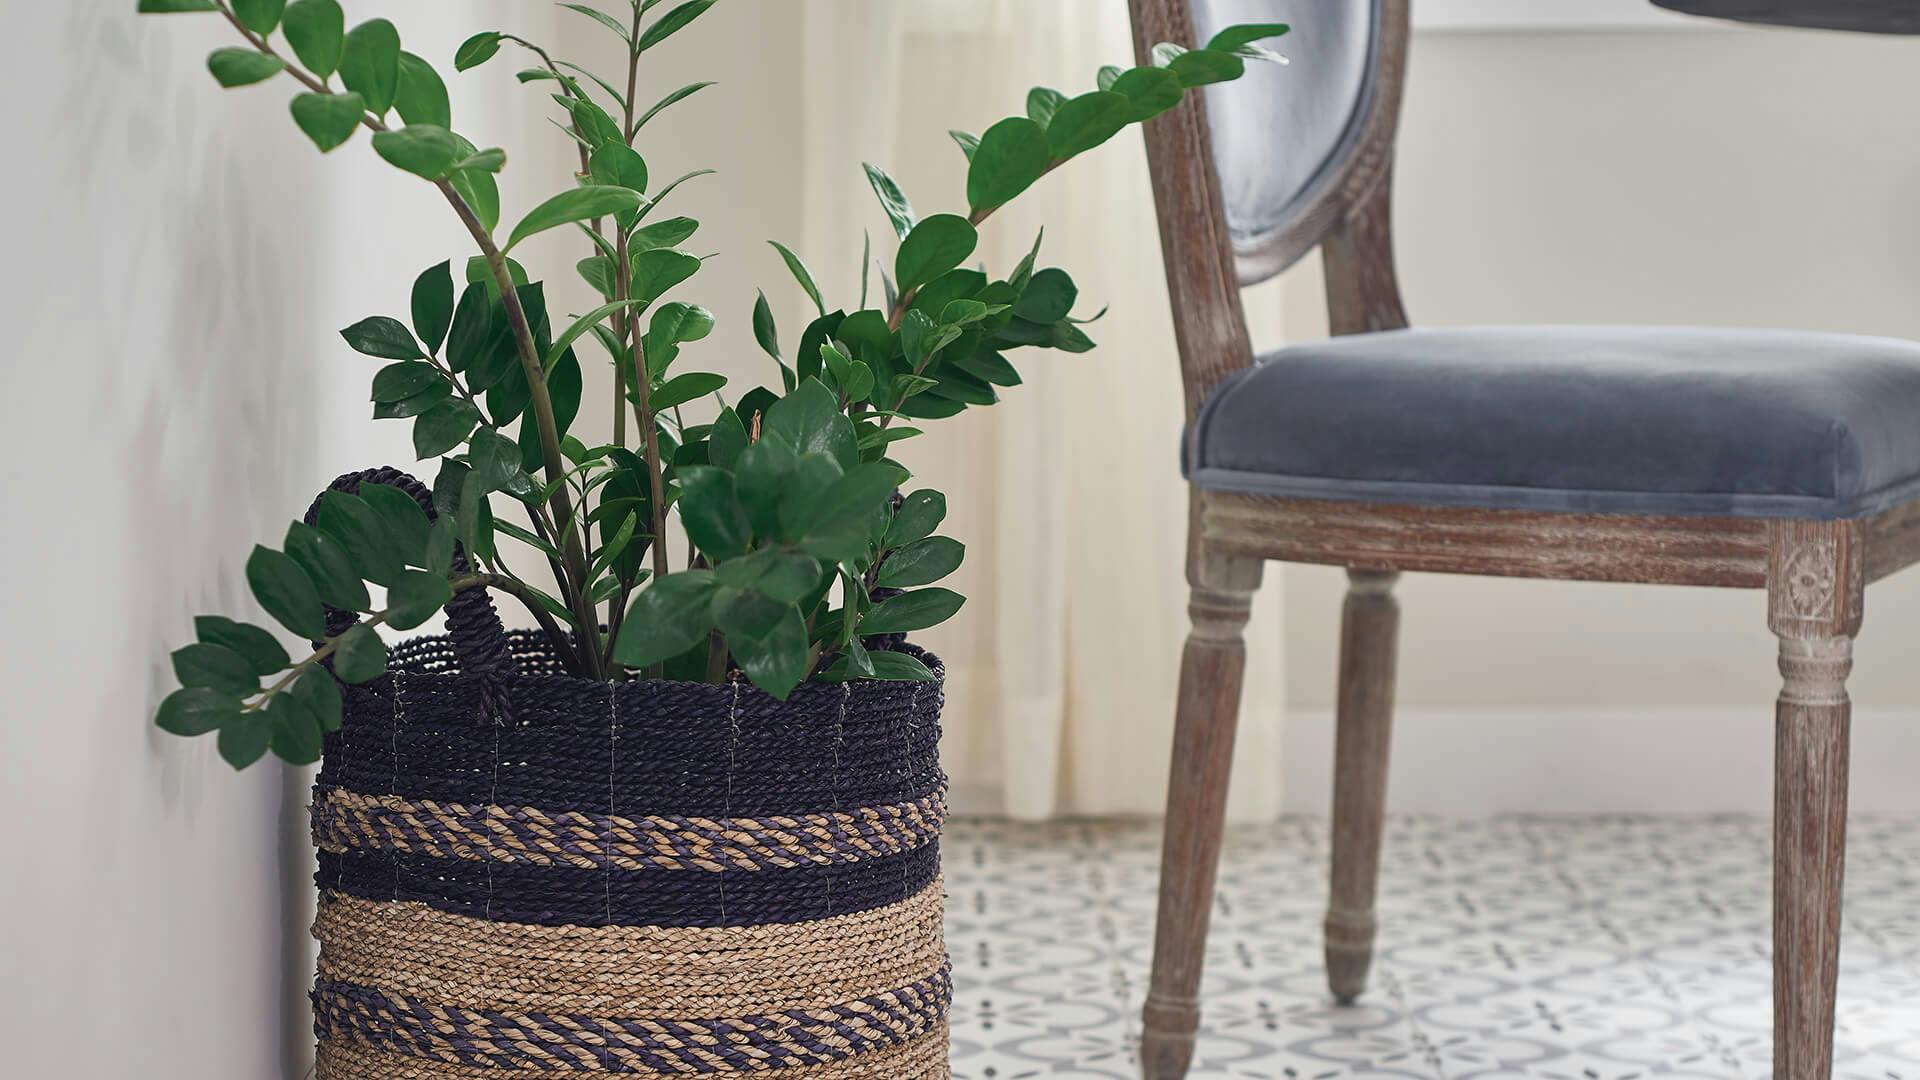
(1725, 177)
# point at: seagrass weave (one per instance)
(525, 873)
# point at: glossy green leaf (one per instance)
(473, 329)
(328, 119)
(765, 332)
(425, 150)
(1109, 75)
(1011, 156)
(350, 523)
(1087, 121)
(887, 666)
(672, 326)
(296, 735)
(918, 516)
(245, 741)
(777, 661)
(383, 337)
(1042, 103)
(658, 270)
(1049, 297)
(476, 50)
(671, 615)
(196, 710)
(800, 274)
(215, 667)
(285, 592)
(916, 610)
(809, 421)
(671, 23)
(922, 562)
(603, 19)
(444, 427)
(935, 246)
(433, 305)
(480, 191)
(235, 66)
(1200, 67)
(421, 97)
(968, 142)
(852, 500)
(674, 98)
(317, 31)
(359, 656)
(401, 519)
(370, 63)
(580, 327)
(1233, 37)
(684, 388)
(580, 204)
(1151, 91)
(711, 512)
(319, 694)
(415, 597)
(892, 200)
(326, 565)
(396, 382)
(261, 649)
(661, 234)
(173, 7)
(259, 16)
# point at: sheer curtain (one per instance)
(1064, 664)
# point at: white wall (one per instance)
(1724, 177)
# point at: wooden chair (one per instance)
(1744, 459)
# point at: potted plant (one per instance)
(690, 824)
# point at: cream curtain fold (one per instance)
(1064, 664)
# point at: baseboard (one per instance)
(1475, 762)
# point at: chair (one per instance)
(1746, 459)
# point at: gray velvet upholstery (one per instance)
(1866, 16)
(1280, 132)
(1570, 418)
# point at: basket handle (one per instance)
(479, 638)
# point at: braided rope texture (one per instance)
(525, 873)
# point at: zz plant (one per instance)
(800, 551)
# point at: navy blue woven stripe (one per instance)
(490, 1038)
(571, 896)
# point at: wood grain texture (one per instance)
(1211, 670)
(1369, 633)
(1816, 582)
(1363, 286)
(1728, 552)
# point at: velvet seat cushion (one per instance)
(1653, 420)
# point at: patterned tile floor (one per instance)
(1565, 949)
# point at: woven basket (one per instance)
(522, 872)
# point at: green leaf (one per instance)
(433, 305)
(887, 666)
(370, 64)
(491, 160)
(319, 695)
(580, 204)
(1087, 121)
(671, 23)
(1049, 297)
(677, 96)
(661, 234)
(296, 735)
(421, 97)
(327, 566)
(317, 31)
(359, 656)
(892, 200)
(473, 329)
(260, 648)
(414, 598)
(196, 710)
(673, 325)
(1109, 75)
(259, 16)
(582, 325)
(215, 667)
(1151, 90)
(1012, 155)
(800, 274)
(1042, 103)
(969, 143)
(935, 246)
(480, 191)
(603, 19)
(233, 67)
(711, 512)
(425, 150)
(1068, 338)
(670, 616)
(684, 388)
(1199, 67)
(743, 615)
(1233, 37)
(284, 590)
(476, 50)
(911, 611)
(922, 562)
(809, 421)
(764, 330)
(989, 366)
(656, 271)
(727, 440)
(618, 165)
(383, 337)
(852, 500)
(328, 119)
(350, 523)
(401, 519)
(175, 7)
(441, 539)
(245, 742)
(777, 661)
(918, 516)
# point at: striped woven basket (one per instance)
(525, 873)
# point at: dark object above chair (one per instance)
(1642, 420)
(1866, 16)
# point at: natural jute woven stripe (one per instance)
(345, 820)
(629, 971)
(924, 1058)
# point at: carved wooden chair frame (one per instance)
(1814, 573)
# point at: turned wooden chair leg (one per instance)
(1369, 629)
(1814, 593)
(1211, 668)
